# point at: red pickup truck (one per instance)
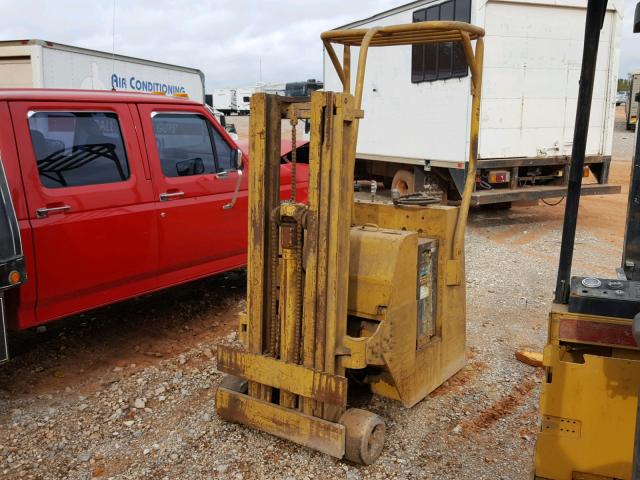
(119, 194)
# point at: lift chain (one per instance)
(299, 218)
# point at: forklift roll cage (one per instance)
(415, 34)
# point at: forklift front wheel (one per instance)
(235, 384)
(364, 436)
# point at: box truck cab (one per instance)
(118, 194)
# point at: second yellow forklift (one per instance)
(589, 399)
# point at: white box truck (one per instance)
(225, 100)
(42, 64)
(533, 50)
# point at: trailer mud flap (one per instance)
(4, 348)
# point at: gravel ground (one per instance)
(127, 392)
(70, 409)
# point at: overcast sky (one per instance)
(227, 39)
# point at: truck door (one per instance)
(90, 204)
(193, 166)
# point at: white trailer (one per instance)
(41, 64)
(243, 96)
(224, 100)
(417, 108)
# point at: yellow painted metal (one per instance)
(413, 372)
(406, 34)
(287, 376)
(377, 280)
(588, 405)
(461, 224)
(287, 423)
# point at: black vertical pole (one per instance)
(632, 216)
(595, 16)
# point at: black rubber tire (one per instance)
(364, 436)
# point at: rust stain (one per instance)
(460, 379)
(503, 407)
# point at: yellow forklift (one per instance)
(589, 399)
(345, 291)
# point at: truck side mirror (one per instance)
(636, 19)
(240, 166)
(239, 160)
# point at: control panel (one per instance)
(604, 297)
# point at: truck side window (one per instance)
(78, 148)
(432, 61)
(184, 144)
(224, 153)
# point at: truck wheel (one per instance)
(404, 181)
(235, 384)
(364, 436)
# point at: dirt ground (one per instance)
(128, 391)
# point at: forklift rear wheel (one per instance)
(364, 436)
(235, 384)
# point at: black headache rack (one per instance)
(12, 266)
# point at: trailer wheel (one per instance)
(404, 181)
(364, 436)
(235, 384)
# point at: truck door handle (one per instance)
(45, 211)
(230, 205)
(166, 196)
